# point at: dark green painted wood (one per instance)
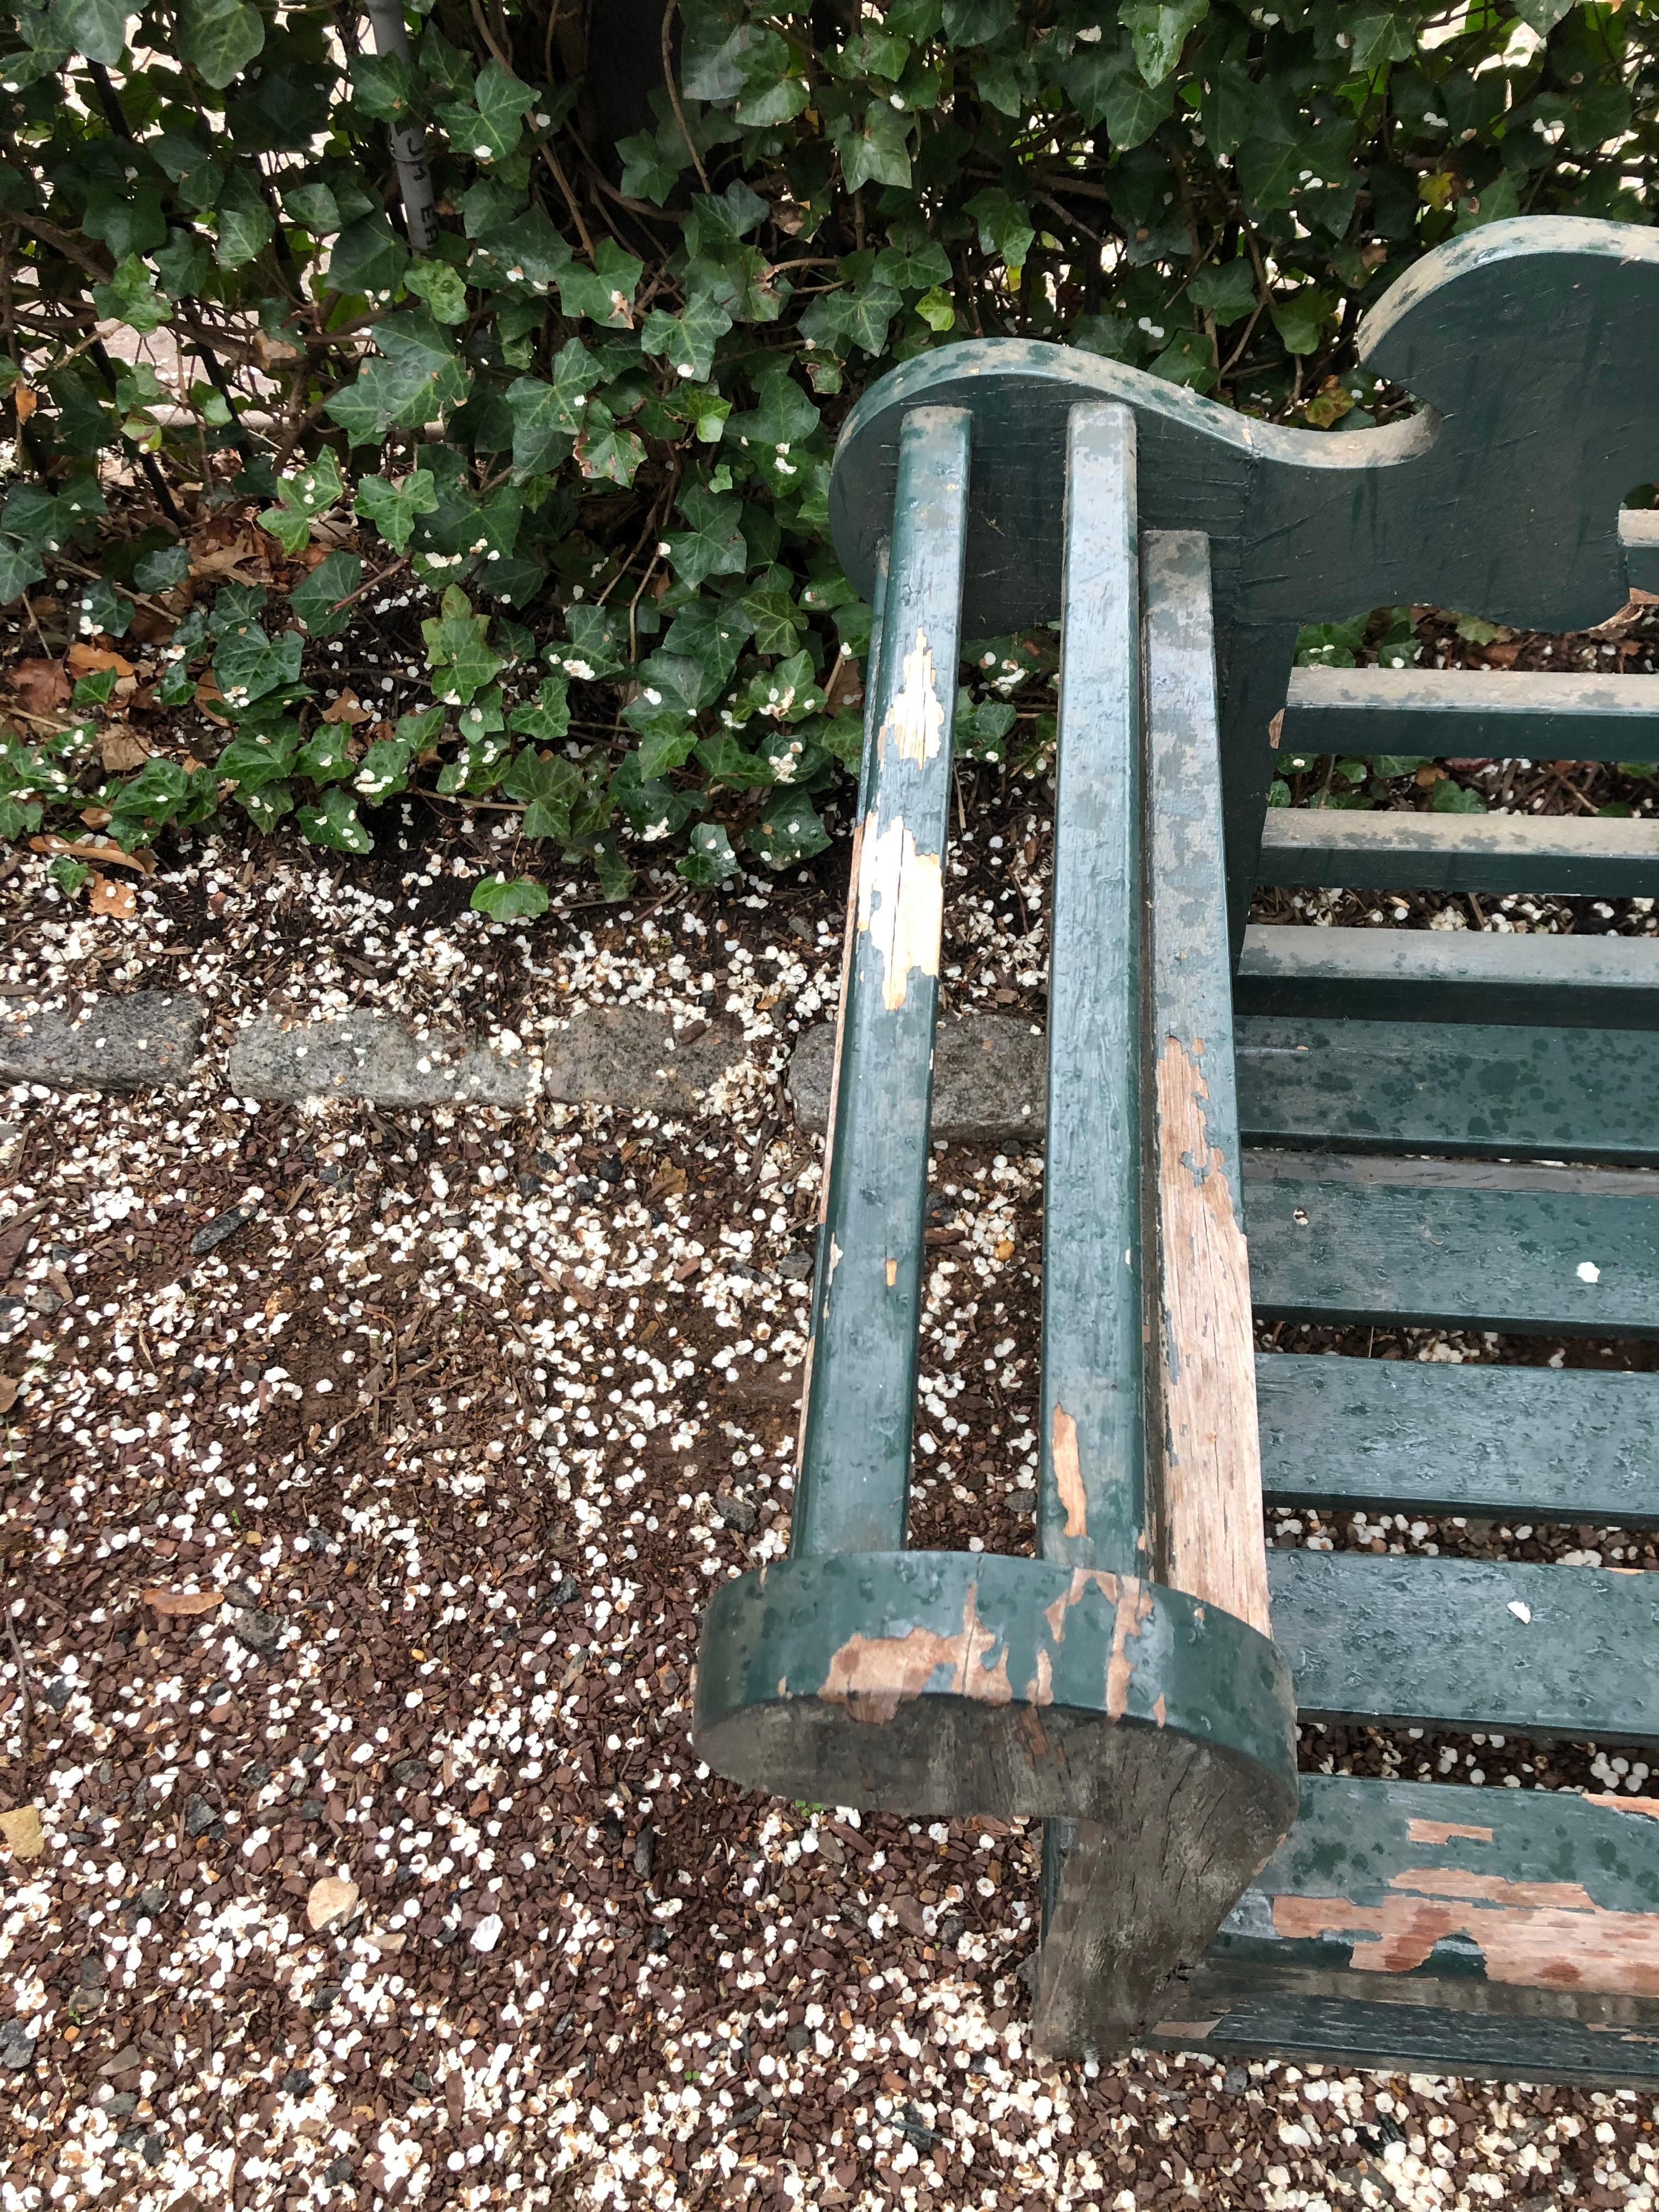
(1409, 2038)
(1638, 534)
(1441, 1643)
(854, 1475)
(1439, 975)
(1450, 1087)
(1494, 853)
(1519, 1444)
(1419, 1251)
(1467, 712)
(1093, 1323)
(1458, 1929)
(1517, 336)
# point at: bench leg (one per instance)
(1131, 1902)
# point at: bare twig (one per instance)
(674, 95)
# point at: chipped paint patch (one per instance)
(1134, 1609)
(1068, 1475)
(1540, 1935)
(874, 1675)
(1212, 1454)
(901, 906)
(1442, 1832)
(1650, 1806)
(893, 1273)
(914, 724)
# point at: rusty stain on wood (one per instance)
(1211, 1491)
(874, 1675)
(901, 906)
(1442, 1831)
(1068, 1475)
(1538, 1935)
(916, 720)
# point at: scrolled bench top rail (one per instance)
(1501, 497)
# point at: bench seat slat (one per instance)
(1451, 1087)
(1521, 1443)
(1428, 1252)
(1472, 1644)
(1474, 713)
(1569, 855)
(1447, 1928)
(1439, 975)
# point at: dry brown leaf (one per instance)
(333, 1898)
(38, 686)
(846, 685)
(122, 748)
(9, 1387)
(105, 896)
(83, 849)
(269, 351)
(87, 659)
(24, 401)
(348, 707)
(22, 1830)
(184, 1603)
(207, 696)
(96, 817)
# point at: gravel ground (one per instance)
(354, 1566)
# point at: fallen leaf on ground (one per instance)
(331, 1898)
(105, 896)
(24, 401)
(183, 1602)
(23, 1832)
(348, 707)
(38, 686)
(122, 749)
(9, 1387)
(84, 848)
(207, 696)
(87, 659)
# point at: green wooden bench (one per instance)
(1136, 1682)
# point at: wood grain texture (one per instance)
(1513, 1443)
(855, 1470)
(1449, 1087)
(1567, 854)
(1494, 715)
(1091, 1486)
(1442, 975)
(1211, 1486)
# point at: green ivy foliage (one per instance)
(591, 430)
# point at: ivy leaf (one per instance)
(327, 758)
(243, 224)
(663, 747)
(547, 416)
(334, 577)
(604, 452)
(783, 414)
(392, 508)
(248, 665)
(520, 900)
(419, 375)
(547, 717)
(876, 152)
(96, 28)
(913, 268)
(333, 823)
(1228, 293)
(708, 856)
(1005, 228)
(1300, 316)
(686, 341)
(130, 297)
(221, 37)
(727, 761)
(441, 287)
(788, 830)
(1541, 16)
(1451, 798)
(597, 639)
(457, 649)
(160, 568)
(1157, 31)
(1132, 109)
(255, 758)
(546, 786)
(779, 623)
(714, 544)
(647, 175)
(383, 86)
(974, 23)
(384, 769)
(368, 257)
(313, 487)
(19, 567)
(500, 100)
(1378, 39)
(605, 293)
